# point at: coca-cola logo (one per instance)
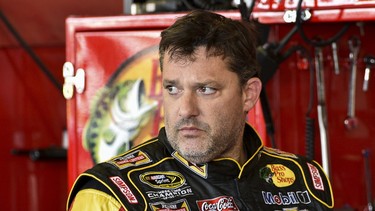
(222, 203)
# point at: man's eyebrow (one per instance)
(208, 82)
(169, 82)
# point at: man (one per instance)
(207, 157)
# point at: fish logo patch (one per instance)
(278, 175)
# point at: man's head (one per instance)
(233, 40)
(209, 86)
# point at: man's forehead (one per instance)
(177, 55)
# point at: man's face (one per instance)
(204, 108)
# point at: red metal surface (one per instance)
(32, 116)
(32, 110)
(288, 91)
(271, 11)
(41, 23)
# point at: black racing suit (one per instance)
(153, 176)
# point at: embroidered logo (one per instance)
(292, 209)
(278, 175)
(316, 178)
(291, 197)
(135, 158)
(124, 189)
(222, 203)
(170, 193)
(165, 179)
(180, 205)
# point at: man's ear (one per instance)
(251, 91)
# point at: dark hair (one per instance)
(234, 40)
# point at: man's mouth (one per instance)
(190, 131)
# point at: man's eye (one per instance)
(172, 90)
(207, 90)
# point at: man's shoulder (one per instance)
(311, 171)
(146, 153)
(139, 156)
(277, 153)
(305, 171)
(111, 176)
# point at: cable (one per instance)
(246, 12)
(309, 121)
(267, 116)
(316, 43)
(28, 49)
(188, 5)
(263, 59)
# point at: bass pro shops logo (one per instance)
(222, 203)
(278, 175)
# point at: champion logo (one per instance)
(124, 189)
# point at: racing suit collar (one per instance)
(226, 168)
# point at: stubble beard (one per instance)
(213, 144)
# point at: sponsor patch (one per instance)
(124, 189)
(135, 158)
(163, 180)
(278, 175)
(316, 178)
(291, 209)
(180, 205)
(286, 198)
(200, 169)
(222, 203)
(170, 193)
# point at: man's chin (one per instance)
(196, 158)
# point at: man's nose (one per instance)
(188, 106)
